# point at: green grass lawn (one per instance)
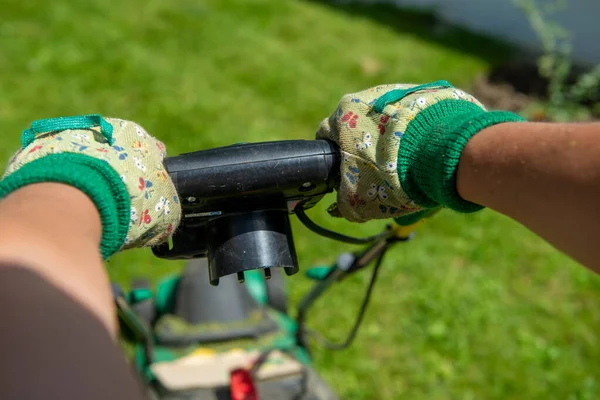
(476, 307)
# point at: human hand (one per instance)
(400, 146)
(115, 162)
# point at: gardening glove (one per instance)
(115, 162)
(400, 148)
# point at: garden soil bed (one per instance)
(514, 86)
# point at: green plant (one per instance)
(556, 63)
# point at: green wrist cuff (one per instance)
(92, 176)
(431, 148)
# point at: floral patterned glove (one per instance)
(115, 162)
(400, 149)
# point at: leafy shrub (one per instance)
(565, 98)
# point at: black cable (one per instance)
(323, 341)
(303, 391)
(308, 223)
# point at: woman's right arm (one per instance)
(546, 176)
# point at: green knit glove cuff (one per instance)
(94, 177)
(431, 148)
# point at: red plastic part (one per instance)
(242, 385)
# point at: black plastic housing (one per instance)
(262, 239)
(236, 202)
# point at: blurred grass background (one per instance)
(476, 307)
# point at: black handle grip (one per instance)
(291, 168)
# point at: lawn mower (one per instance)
(223, 328)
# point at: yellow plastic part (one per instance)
(403, 232)
(203, 351)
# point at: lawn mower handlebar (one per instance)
(294, 168)
(236, 202)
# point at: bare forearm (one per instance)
(55, 230)
(545, 176)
